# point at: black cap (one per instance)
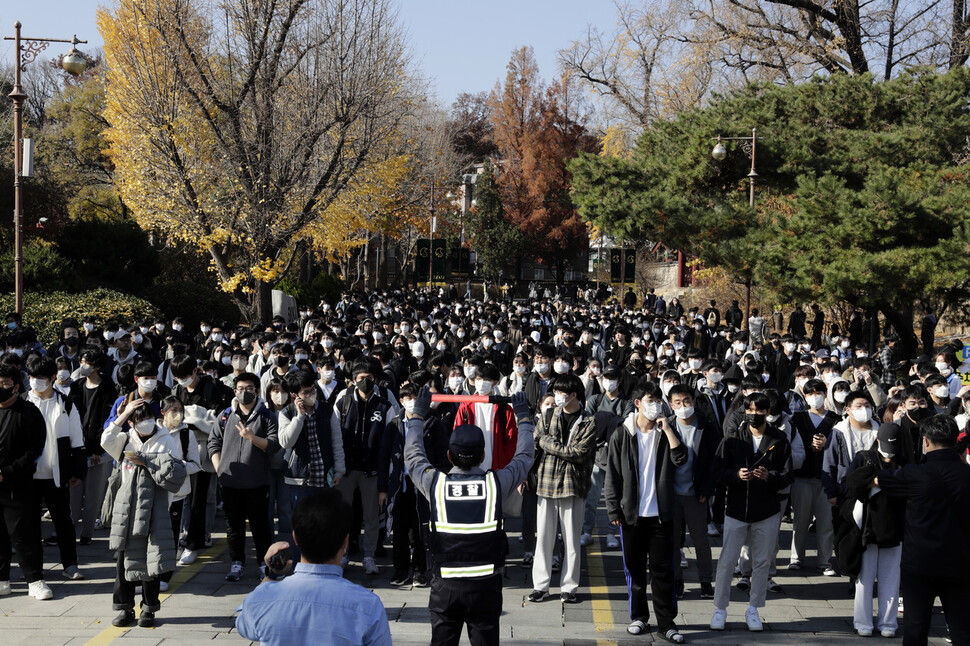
(889, 438)
(612, 372)
(467, 442)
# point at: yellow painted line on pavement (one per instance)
(600, 593)
(182, 575)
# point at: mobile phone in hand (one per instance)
(277, 562)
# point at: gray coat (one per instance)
(140, 524)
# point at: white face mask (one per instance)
(39, 385)
(651, 410)
(327, 343)
(484, 387)
(815, 401)
(300, 356)
(732, 388)
(560, 399)
(684, 412)
(145, 427)
(148, 384)
(840, 396)
(519, 370)
(542, 368)
(136, 339)
(666, 386)
(327, 376)
(942, 391)
(177, 327)
(471, 372)
(829, 377)
(184, 383)
(173, 420)
(409, 405)
(862, 415)
(789, 348)
(561, 367)
(772, 418)
(239, 363)
(941, 366)
(715, 377)
(279, 398)
(63, 375)
(611, 385)
(88, 327)
(455, 382)
(695, 364)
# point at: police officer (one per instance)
(468, 543)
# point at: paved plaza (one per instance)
(200, 605)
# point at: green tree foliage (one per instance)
(45, 269)
(114, 254)
(496, 241)
(863, 190)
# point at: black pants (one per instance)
(58, 501)
(920, 592)
(650, 538)
(195, 540)
(20, 532)
(240, 505)
(407, 532)
(175, 513)
(124, 590)
(476, 603)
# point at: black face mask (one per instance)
(246, 398)
(70, 341)
(754, 420)
(6, 393)
(365, 385)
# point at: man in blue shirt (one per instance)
(316, 605)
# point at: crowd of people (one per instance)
(685, 421)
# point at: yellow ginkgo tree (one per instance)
(249, 127)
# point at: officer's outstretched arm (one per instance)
(420, 469)
(516, 471)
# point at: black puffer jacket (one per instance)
(753, 500)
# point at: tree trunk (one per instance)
(262, 304)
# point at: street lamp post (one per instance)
(73, 63)
(719, 154)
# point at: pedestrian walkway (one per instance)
(200, 606)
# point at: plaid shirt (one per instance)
(566, 468)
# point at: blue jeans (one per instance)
(598, 481)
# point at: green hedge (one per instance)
(45, 311)
(323, 287)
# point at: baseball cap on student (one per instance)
(888, 437)
(467, 441)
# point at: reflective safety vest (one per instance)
(467, 537)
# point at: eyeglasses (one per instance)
(249, 389)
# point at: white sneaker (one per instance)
(888, 633)
(188, 557)
(829, 571)
(344, 561)
(370, 565)
(753, 620)
(39, 590)
(71, 573)
(864, 632)
(162, 586)
(612, 542)
(585, 539)
(4, 588)
(718, 619)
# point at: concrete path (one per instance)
(200, 605)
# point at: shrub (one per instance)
(45, 311)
